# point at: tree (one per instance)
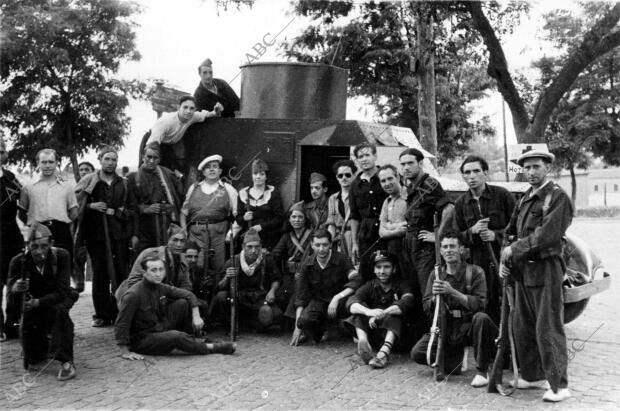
(600, 37)
(378, 43)
(586, 122)
(57, 63)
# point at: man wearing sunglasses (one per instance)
(338, 215)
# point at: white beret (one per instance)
(214, 157)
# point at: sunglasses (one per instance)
(347, 175)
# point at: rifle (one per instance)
(108, 253)
(438, 327)
(25, 298)
(494, 264)
(234, 326)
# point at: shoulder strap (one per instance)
(547, 201)
(468, 278)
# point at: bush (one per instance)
(598, 212)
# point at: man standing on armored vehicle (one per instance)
(155, 196)
(481, 214)
(214, 94)
(425, 197)
(535, 263)
(365, 198)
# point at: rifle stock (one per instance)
(108, 253)
(438, 327)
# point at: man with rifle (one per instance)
(105, 227)
(41, 276)
(535, 263)
(481, 214)
(258, 279)
(155, 195)
(202, 281)
(463, 291)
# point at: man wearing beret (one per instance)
(377, 308)
(534, 260)
(103, 195)
(155, 195)
(316, 210)
(209, 208)
(41, 276)
(258, 279)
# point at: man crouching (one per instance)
(377, 308)
(148, 324)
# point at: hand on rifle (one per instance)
(155, 208)
(31, 303)
(355, 251)
(504, 270)
(487, 235)
(270, 297)
(21, 286)
(482, 224)
(98, 206)
(442, 287)
(231, 272)
(427, 236)
(134, 242)
(248, 216)
(506, 256)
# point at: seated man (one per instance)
(177, 271)
(42, 276)
(258, 279)
(464, 293)
(377, 308)
(147, 325)
(321, 288)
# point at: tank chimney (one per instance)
(293, 91)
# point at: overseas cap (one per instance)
(251, 236)
(207, 160)
(317, 177)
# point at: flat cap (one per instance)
(207, 160)
(536, 153)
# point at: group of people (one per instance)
(163, 260)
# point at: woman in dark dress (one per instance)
(291, 250)
(260, 206)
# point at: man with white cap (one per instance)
(11, 240)
(534, 260)
(209, 207)
(41, 276)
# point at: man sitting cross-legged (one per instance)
(147, 324)
(258, 279)
(321, 288)
(377, 308)
(464, 295)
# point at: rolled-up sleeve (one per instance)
(361, 296)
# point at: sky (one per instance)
(173, 37)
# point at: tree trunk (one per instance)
(425, 73)
(573, 185)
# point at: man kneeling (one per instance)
(147, 324)
(464, 293)
(377, 308)
(258, 279)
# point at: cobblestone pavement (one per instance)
(266, 373)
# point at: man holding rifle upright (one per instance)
(105, 228)
(155, 195)
(464, 294)
(481, 214)
(535, 263)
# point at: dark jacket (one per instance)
(226, 96)
(371, 295)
